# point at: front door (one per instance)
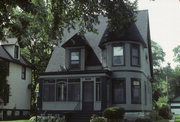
(88, 96)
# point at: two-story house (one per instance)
(18, 79)
(91, 72)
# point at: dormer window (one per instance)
(118, 54)
(16, 52)
(75, 58)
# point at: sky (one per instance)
(164, 18)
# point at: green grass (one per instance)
(177, 116)
(17, 121)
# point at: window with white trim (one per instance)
(118, 54)
(75, 58)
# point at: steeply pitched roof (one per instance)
(137, 32)
(76, 40)
(6, 56)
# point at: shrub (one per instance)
(47, 119)
(97, 119)
(165, 112)
(114, 113)
(154, 115)
(143, 120)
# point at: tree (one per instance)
(176, 51)
(157, 54)
(65, 13)
(158, 58)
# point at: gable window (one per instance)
(75, 58)
(118, 54)
(23, 73)
(16, 52)
(119, 91)
(135, 55)
(135, 91)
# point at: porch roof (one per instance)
(83, 73)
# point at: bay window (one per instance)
(135, 55)
(135, 91)
(119, 91)
(118, 54)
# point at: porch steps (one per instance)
(81, 116)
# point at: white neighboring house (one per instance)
(19, 78)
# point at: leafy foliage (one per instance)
(176, 51)
(114, 113)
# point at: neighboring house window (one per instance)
(145, 92)
(61, 90)
(75, 58)
(135, 55)
(23, 74)
(73, 90)
(98, 90)
(49, 90)
(118, 54)
(118, 91)
(16, 52)
(135, 91)
(6, 94)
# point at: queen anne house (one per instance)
(90, 72)
(19, 78)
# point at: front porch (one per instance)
(74, 91)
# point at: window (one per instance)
(61, 90)
(49, 90)
(135, 55)
(16, 52)
(98, 90)
(75, 58)
(23, 74)
(135, 91)
(118, 55)
(119, 91)
(145, 92)
(74, 90)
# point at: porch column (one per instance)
(103, 92)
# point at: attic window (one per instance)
(75, 58)
(16, 52)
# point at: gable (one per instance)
(6, 56)
(76, 41)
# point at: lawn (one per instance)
(177, 118)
